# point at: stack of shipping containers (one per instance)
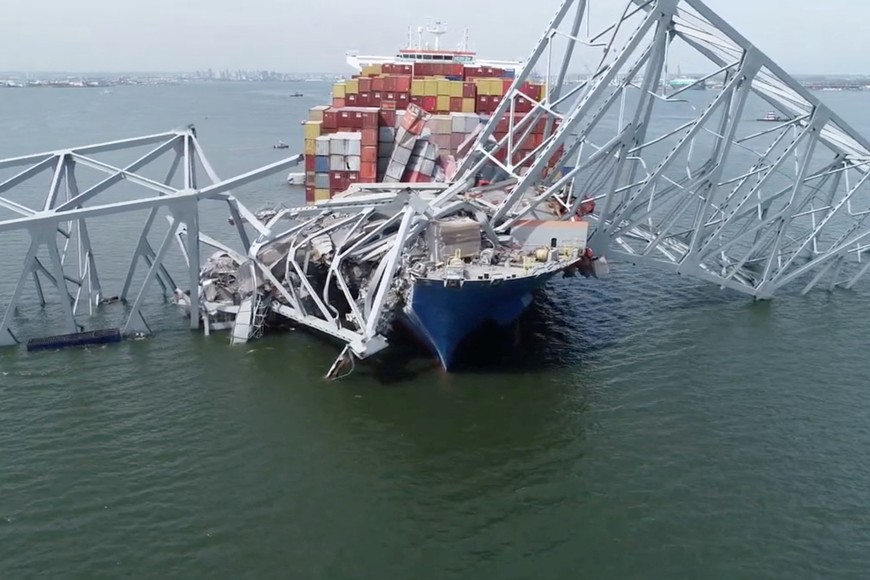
(355, 139)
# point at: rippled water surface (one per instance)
(648, 426)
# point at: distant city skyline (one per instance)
(176, 37)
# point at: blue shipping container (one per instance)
(321, 164)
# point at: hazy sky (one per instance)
(804, 36)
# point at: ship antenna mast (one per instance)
(419, 38)
(464, 46)
(410, 37)
(437, 30)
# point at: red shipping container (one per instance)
(309, 163)
(368, 172)
(430, 104)
(338, 102)
(522, 104)
(388, 105)
(352, 99)
(483, 104)
(364, 100)
(369, 137)
(414, 177)
(365, 85)
(506, 85)
(356, 119)
(330, 119)
(387, 68)
(369, 119)
(352, 177)
(376, 99)
(404, 100)
(370, 154)
(378, 84)
(309, 194)
(387, 118)
(415, 100)
(336, 180)
(455, 104)
(403, 84)
(310, 179)
(345, 118)
(469, 90)
(389, 84)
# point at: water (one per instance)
(648, 427)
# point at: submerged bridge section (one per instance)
(57, 222)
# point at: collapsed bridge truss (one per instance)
(751, 184)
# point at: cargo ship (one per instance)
(457, 90)
(398, 125)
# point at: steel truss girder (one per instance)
(58, 225)
(737, 213)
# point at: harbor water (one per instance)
(647, 426)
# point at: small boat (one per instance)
(280, 145)
(296, 178)
(294, 95)
(771, 116)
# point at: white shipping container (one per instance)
(321, 180)
(336, 163)
(472, 120)
(353, 162)
(395, 171)
(321, 146)
(431, 152)
(401, 155)
(337, 146)
(354, 147)
(427, 167)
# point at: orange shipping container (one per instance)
(370, 136)
(369, 154)
(403, 84)
(368, 172)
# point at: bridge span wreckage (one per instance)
(628, 169)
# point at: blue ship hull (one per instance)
(443, 316)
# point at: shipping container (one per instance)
(312, 129)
